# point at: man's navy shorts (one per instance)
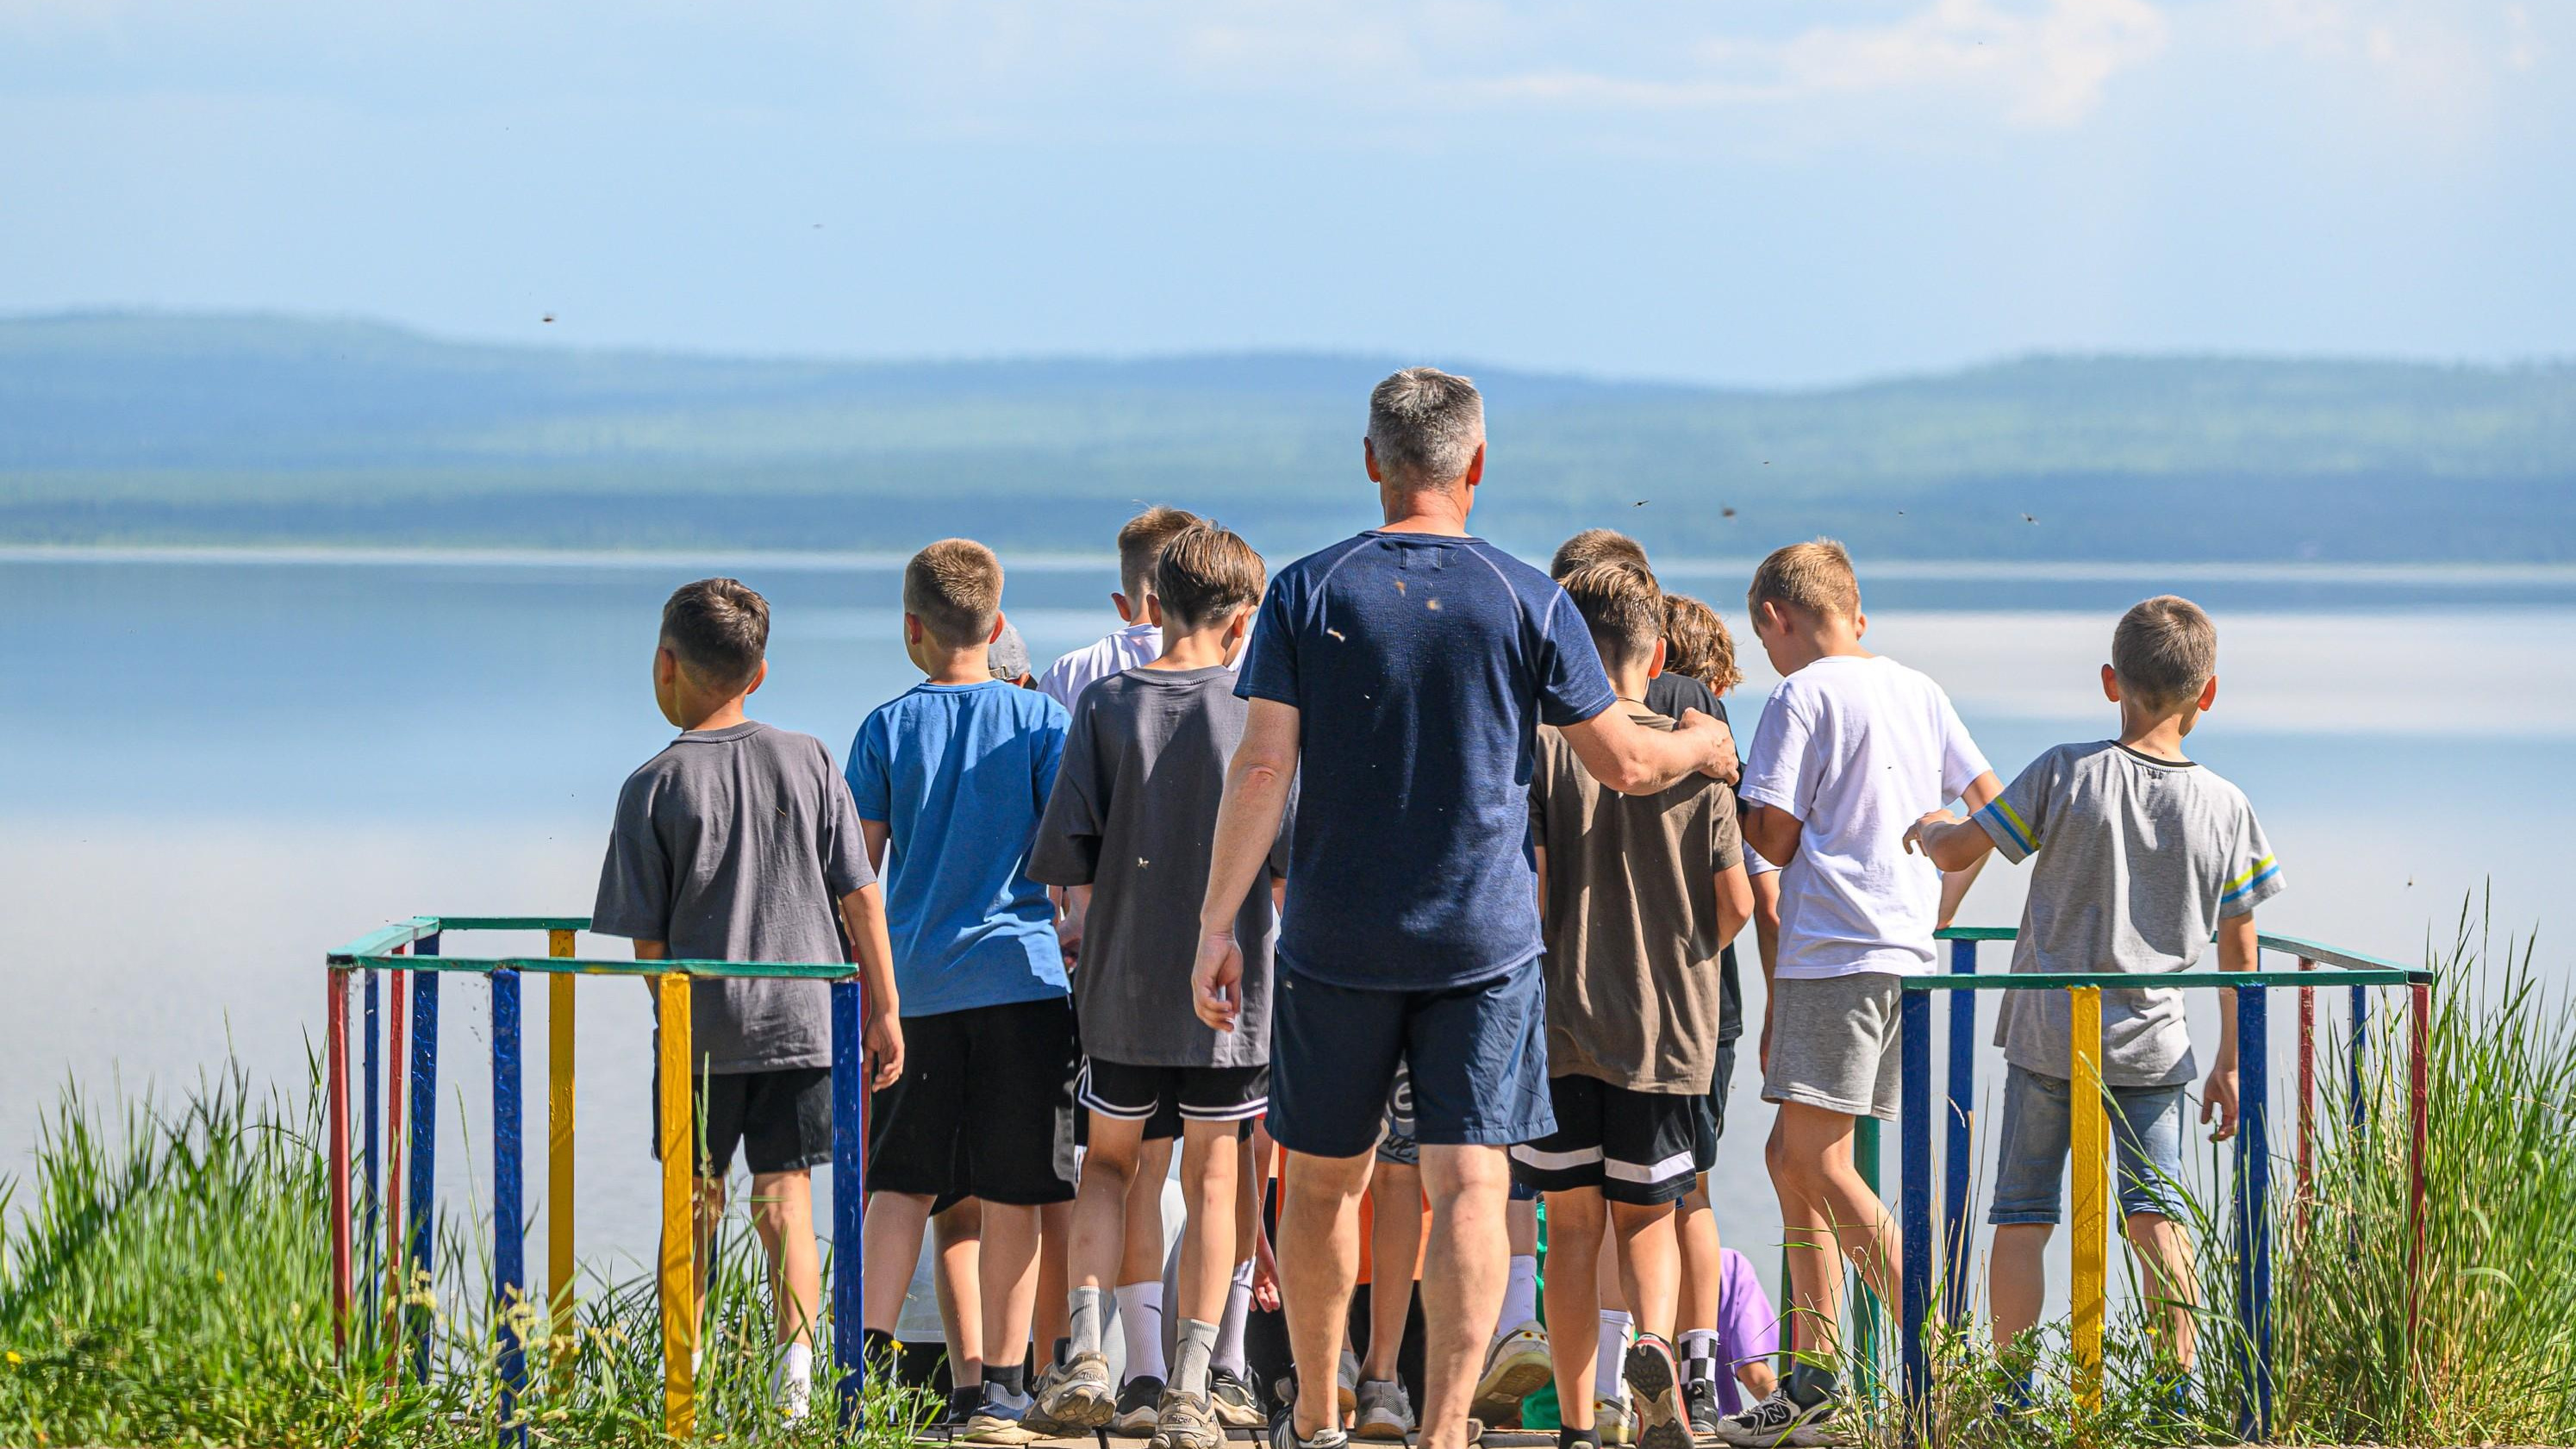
(1477, 1053)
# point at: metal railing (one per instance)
(2091, 1141)
(407, 961)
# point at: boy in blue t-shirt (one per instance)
(954, 775)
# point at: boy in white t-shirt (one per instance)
(1852, 750)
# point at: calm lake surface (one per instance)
(221, 766)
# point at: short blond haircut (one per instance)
(1816, 577)
(1205, 574)
(1696, 644)
(1141, 541)
(1597, 545)
(2164, 651)
(954, 587)
(1622, 607)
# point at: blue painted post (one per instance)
(509, 1246)
(373, 1272)
(2359, 1054)
(424, 1144)
(2254, 1212)
(1914, 1035)
(1958, 1165)
(849, 1196)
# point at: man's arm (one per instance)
(1247, 826)
(863, 917)
(1634, 759)
(2238, 950)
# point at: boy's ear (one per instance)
(999, 623)
(1127, 612)
(2110, 684)
(1655, 661)
(666, 666)
(759, 677)
(1860, 622)
(911, 629)
(1154, 610)
(2209, 692)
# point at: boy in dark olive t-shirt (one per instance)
(1639, 896)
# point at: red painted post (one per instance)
(335, 1049)
(2419, 1109)
(2307, 1089)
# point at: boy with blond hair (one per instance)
(950, 777)
(1852, 750)
(1130, 823)
(1639, 895)
(2129, 821)
(738, 843)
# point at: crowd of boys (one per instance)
(1026, 867)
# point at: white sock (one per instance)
(1520, 1296)
(1087, 1309)
(1229, 1334)
(796, 1364)
(1140, 1320)
(1610, 1362)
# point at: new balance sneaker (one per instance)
(1385, 1413)
(1139, 1408)
(1613, 1423)
(1700, 1395)
(1654, 1389)
(1236, 1408)
(1779, 1420)
(1079, 1393)
(1186, 1421)
(1516, 1367)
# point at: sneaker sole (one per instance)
(1378, 1431)
(1510, 1382)
(1085, 1406)
(1662, 1423)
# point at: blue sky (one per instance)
(1747, 191)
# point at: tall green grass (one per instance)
(166, 1282)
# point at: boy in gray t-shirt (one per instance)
(1132, 821)
(738, 842)
(2141, 855)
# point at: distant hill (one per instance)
(229, 429)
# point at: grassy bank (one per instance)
(163, 1279)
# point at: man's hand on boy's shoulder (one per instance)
(1721, 764)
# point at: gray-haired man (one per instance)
(1405, 673)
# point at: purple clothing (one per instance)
(1747, 1329)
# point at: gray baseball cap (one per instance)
(1009, 656)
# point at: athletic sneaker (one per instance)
(1516, 1367)
(1613, 1423)
(1038, 1421)
(1346, 1382)
(994, 1422)
(1283, 1433)
(1140, 1408)
(1236, 1408)
(1186, 1421)
(1778, 1420)
(1654, 1389)
(1079, 1393)
(963, 1401)
(1701, 1396)
(1385, 1413)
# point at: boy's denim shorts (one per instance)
(2030, 1178)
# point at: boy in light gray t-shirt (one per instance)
(2140, 857)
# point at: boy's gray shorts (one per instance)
(1833, 1044)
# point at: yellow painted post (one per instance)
(2089, 1153)
(559, 1212)
(679, 1275)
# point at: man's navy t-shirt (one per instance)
(1421, 667)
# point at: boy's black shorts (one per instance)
(1639, 1148)
(977, 1108)
(1132, 1093)
(781, 1119)
(1712, 1124)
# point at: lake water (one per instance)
(219, 766)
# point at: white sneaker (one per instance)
(1778, 1420)
(1516, 1367)
(1613, 1423)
